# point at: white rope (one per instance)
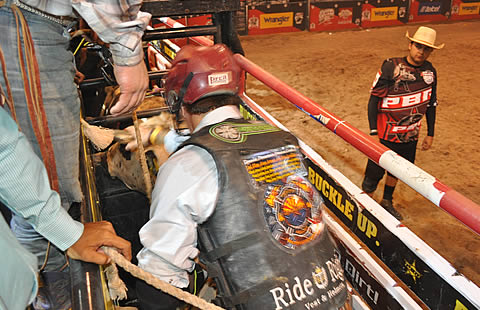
(136, 271)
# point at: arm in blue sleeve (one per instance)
(25, 189)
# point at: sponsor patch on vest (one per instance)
(273, 165)
(238, 133)
(293, 212)
(315, 292)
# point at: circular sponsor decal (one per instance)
(227, 132)
(293, 212)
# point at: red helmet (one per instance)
(201, 71)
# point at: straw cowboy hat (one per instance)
(425, 36)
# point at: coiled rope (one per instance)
(136, 271)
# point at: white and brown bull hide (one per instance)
(126, 165)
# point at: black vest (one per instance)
(266, 244)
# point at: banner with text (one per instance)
(402, 261)
(429, 11)
(465, 9)
(334, 15)
(275, 18)
(384, 13)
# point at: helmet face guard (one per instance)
(201, 71)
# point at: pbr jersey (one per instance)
(405, 93)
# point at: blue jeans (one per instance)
(60, 101)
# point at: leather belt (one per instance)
(62, 20)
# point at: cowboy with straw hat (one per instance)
(422, 44)
(404, 90)
(425, 36)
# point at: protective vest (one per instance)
(266, 244)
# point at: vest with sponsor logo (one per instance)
(266, 243)
(405, 92)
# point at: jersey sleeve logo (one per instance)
(428, 76)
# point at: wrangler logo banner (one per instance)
(380, 14)
(469, 8)
(275, 18)
(384, 13)
(402, 261)
(465, 9)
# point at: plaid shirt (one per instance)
(120, 23)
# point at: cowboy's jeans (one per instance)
(60, 100)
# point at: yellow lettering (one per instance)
(469, 8)
(361, 221)
(371, 230)
(387, 13)
(339, 202)
(333, 195)
(459, 305)
(348, 210)
(318, 182)
(325, 187)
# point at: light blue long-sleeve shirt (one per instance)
(18, 283)
(24, 189)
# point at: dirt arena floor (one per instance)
(337, 69)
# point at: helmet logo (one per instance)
(219, 78)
